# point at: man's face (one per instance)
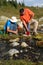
(22, 13)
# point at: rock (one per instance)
(11, 52)
(16, 55)
(39, 43)
(26, 50)
(27, 35)
(41, 28)
(36, 57)
(3, 18)
(41, 25)
(13, 40)
(20, 23)
(21, 51)
(41, 19)
(23, 44)
(14, 44)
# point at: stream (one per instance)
(31, 52)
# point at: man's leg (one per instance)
(28, 25)
(35, 22)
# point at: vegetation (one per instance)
(19, 62)
(11, 8)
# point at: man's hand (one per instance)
(25, 25)
(27, 30)
(16, 32)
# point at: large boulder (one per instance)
(41, 28)
(3, 18)
(20, 23)
(11, 52)
(41, 19)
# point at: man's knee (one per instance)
(36, 22)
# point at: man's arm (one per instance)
(25, 25)
(15, 32)
(30, 13)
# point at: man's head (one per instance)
(21, 11)
(13, 19)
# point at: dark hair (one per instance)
(21, 10)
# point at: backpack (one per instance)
(5, 27)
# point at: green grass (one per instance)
(18, 62)
(10, 10)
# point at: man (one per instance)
(26, 16)
(11, 26)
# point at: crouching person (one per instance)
(11, 26)
(26, 16)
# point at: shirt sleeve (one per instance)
(30, 12)
(21, 18)
(8, 23)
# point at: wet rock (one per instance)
(40, 28)
(21, 51)
(41, 25)
(16, 55)
(14, 44)
(11, 52)
(13, 40)
(26, 50)
(37, 57)
(41, 19)
(23, 44)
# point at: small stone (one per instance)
(26, 50)
(23, 44)
(21, 51)
(39, 43)
(16, 55)
(14, 44)
(14, 40)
